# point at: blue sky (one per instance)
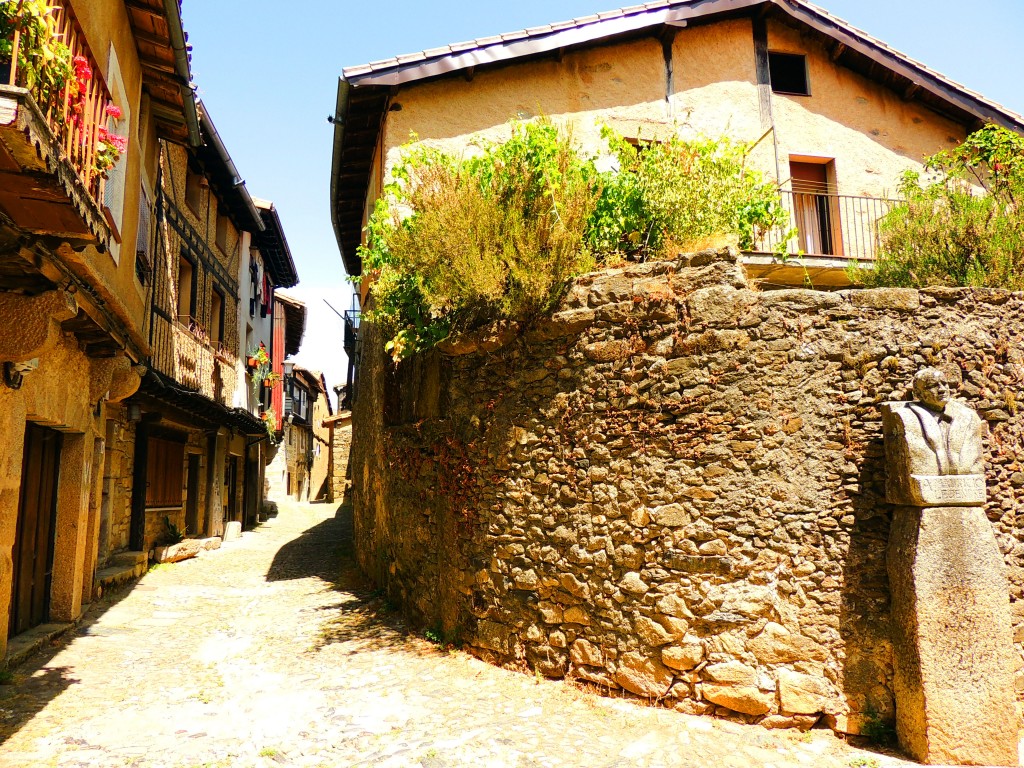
(267, 72)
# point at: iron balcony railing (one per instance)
(70, 92)
(352, 317)
(844, 226)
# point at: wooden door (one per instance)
(814, 206)
(33, 539)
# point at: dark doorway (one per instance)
(252, 480)
(33, 538)
(192, 497)
(231, 480)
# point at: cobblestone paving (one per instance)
(270, 652)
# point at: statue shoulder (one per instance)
(960, 410)
(900, 416)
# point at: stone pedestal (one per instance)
(952, 638)
(232, 530)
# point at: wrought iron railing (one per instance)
(828, 225)
(352, 317)
(68, 87)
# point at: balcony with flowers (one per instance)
(59, 128)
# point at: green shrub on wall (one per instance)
(963, 224)
(676, 195)
(454, 243)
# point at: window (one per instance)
(217, 316)
(788, 72)
(164, 472)
(254, 284)
(193, 190)
(143, 264)
(117, 124)
(186, 290)
(223, 227)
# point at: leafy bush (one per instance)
(454, 243)
(44, 61)
(679, 193)
(947, 232)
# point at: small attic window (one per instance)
(789, 73)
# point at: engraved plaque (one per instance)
(947, 490)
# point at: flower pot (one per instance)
(251, 362)
(268, 383)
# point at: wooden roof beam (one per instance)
(136, 5)
(165, 69)
(147, 37)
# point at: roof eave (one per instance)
(351, 262)
(179, 44)
(273, 245)
(233, 180)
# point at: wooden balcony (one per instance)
(52, 120)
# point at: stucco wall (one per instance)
(872, 133)
(56, 395)
(105, 24)
(675, 487)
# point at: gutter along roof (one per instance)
(364, 92)
(249, 213)
(224, 177)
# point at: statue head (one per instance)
(931, 388)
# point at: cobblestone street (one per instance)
(270, 652)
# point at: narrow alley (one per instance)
(264, 653)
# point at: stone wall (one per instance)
(341, 446)
(117, 483)
(676, 485)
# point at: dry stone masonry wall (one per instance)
(675, 486)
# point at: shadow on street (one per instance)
(34, 684)
(361, 618)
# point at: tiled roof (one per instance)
(595, 24)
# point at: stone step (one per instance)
(20, 647)
(118, 575)
(128, 558)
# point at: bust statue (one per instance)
(933, 437)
